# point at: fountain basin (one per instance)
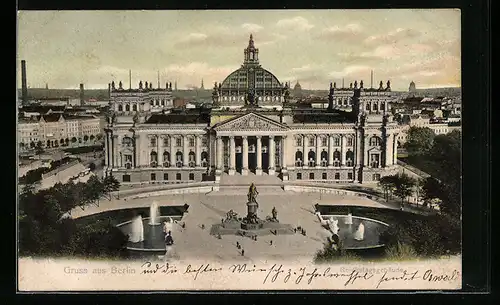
(154, 238)
(372, 231)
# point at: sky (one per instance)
(315, 47)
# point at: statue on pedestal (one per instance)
(275, 213)
(252, 193)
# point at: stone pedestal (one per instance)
(258, 172)
(232, 172)
(244, 172)
(271, 172)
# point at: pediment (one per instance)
(251, 122)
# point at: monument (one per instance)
(251, 224)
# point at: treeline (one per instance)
(46, 228)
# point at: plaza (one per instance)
(208, 208)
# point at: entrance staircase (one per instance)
(238, 184)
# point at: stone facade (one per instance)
(252, 134)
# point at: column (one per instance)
(220, 149)
(343, 149)
(159, 150)
(198, 150)
(388, 150)
(115, 151)
(244, 170)
(258, 170)
(137, 150)
(232, 156)
(366, 158)
(172, 151)
(305, 159)
(395, 149)
(358, 143)
(330, 150)
(318, 151)
(106, 150)
(283, 153)
(185, 151)
(272, 153)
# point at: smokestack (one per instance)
(24, 83)
(130, 79)
(81, 94)
(371, 83)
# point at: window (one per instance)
(368, 107)
(375, 107)
(311, 141)
(192, 157)
(323, 176)
(153, 177)
(299, 161)
(152, 142)
(336, 141)
(337, 176)
(178, 176)
(374, 141)
(120, 107)
(204, 141)
(311, 158)
(191, 176)
(191, 142)
(298, 141)
(127, 107)
(153, 159)
(311, 176)
(375, 160)
(166, 159)
(204, 159)
(324, 158)
(126, 178)
(299, 176)
(134, 107)
(349, 158)
(376, 177)
(128, 161)
(165, 176)
(178, 159)
(349, 176)
(350, 141)
(324, 141)
(178, 142)
(166, 141)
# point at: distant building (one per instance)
(412, 89)
(297, 90)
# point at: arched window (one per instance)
(134, 107)
(153, 159)
(367, 106)
(178, 159)
(374, 141)
(192, 159)
(324, 158)
(382, 106)
(349, 156)
(204, 159)
(336, 158)
(120, 107)
(299, 161)
(375, 107)
(127, 107)
(166, 159)
(311, 158)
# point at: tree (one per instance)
(419, 140)
(61, 141)
(66, 141)
(387, 183)
(91, 137)
(404, 186)
(21, 145)
(111, 184)
(85, 138)
(92, 166)
(431, 189)
(32, 144)
(99, 136)
(94, 189)
(73, 140)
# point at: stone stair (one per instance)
(238, 184)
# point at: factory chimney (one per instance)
(24, 83)
(82, 96)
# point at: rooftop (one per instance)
(318, 117)
(187, 116)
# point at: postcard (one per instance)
(239, 150)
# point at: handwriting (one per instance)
(158, 268)
(405, 276)
(201, 269)
(243, 268)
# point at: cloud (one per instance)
(392, 37)
(351, 71)
(394, 51)
(186, 73)
(350, 33)
(252, 27)
(296, 23)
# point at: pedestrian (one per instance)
(203, 227)
(237, 244)
(242, 252)
(271, 242)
